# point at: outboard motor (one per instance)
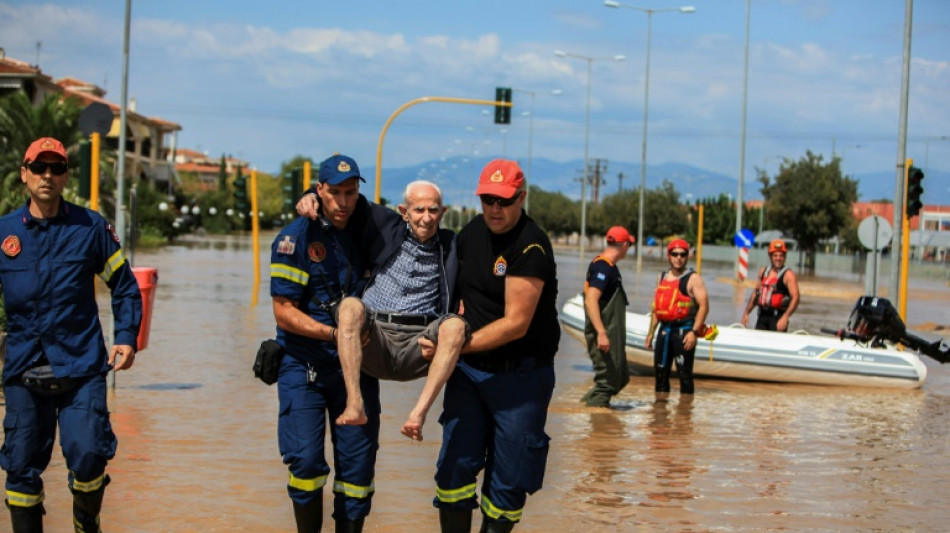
(875, 320)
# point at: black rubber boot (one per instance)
(455, 520)
(349, 526)
(27, 519)
(309, 517)
(495, 526)
(86, 507)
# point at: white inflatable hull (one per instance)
(739, 353)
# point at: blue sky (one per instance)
(266, 81)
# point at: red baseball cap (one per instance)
(501, 177)
(677, 243)
(44, 145)
(619, 234)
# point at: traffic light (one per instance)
(85, 169)
(914, 191)
(502, 112)
(293, 188)
(240, 194)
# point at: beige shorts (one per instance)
(393, 352)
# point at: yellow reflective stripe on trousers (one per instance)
(113, 264)
(308, 485)
(88, 486)
(455, 495)
(493, 512)
(279, 270)
(354, 491)
(19, 499)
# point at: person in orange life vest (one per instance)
(680, 307)
(777, 293)
(605, 326)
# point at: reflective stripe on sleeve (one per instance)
(113, 264)
(455, 495)
(295, 275)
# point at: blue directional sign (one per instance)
(744, 239)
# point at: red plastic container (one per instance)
(147, 278)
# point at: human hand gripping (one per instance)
(121, 357)
(307, 206)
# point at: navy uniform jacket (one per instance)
(47, 270)
(314, 264)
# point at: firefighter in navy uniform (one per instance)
(314, 263)
(56, 360)
(680, 307)
(495, 404)
(777, 293)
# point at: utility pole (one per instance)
(596, 179)
(619, 182)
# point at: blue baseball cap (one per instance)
(339, 168)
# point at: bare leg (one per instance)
(451, 338)
(351, 320)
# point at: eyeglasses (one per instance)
(678, 254)
(502, 202)
(39, 167)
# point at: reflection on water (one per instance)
(198, 448)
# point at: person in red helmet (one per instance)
(777, 293)
(605, 330)
(680, 307)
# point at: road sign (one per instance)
(744, 238)
(875, 232)
(96, 118)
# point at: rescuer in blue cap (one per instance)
(314, 264)
(56, 360)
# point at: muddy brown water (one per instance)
(198, 447)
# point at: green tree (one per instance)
(222, 174)
(810, 201)
(554, 212)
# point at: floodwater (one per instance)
(198, 447)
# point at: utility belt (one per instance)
(40, 380)
(403, 320)
(504, 365)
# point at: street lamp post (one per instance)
(589, 60)
(646, 108)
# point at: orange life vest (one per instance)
(773, 294)
(671, 301)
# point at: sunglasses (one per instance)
(39, 167)
(502, 202)
(678, 254)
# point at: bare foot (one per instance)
(413, 427)
(352, 416)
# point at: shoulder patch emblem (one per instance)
(317, 252)
(11, 246)
(501, 266)
(287, 245)
(111, 229)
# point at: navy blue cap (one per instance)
(339, 168)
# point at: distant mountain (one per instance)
(460, 174)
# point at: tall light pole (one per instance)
(590, 61)
(646, 109)
(530, 115)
